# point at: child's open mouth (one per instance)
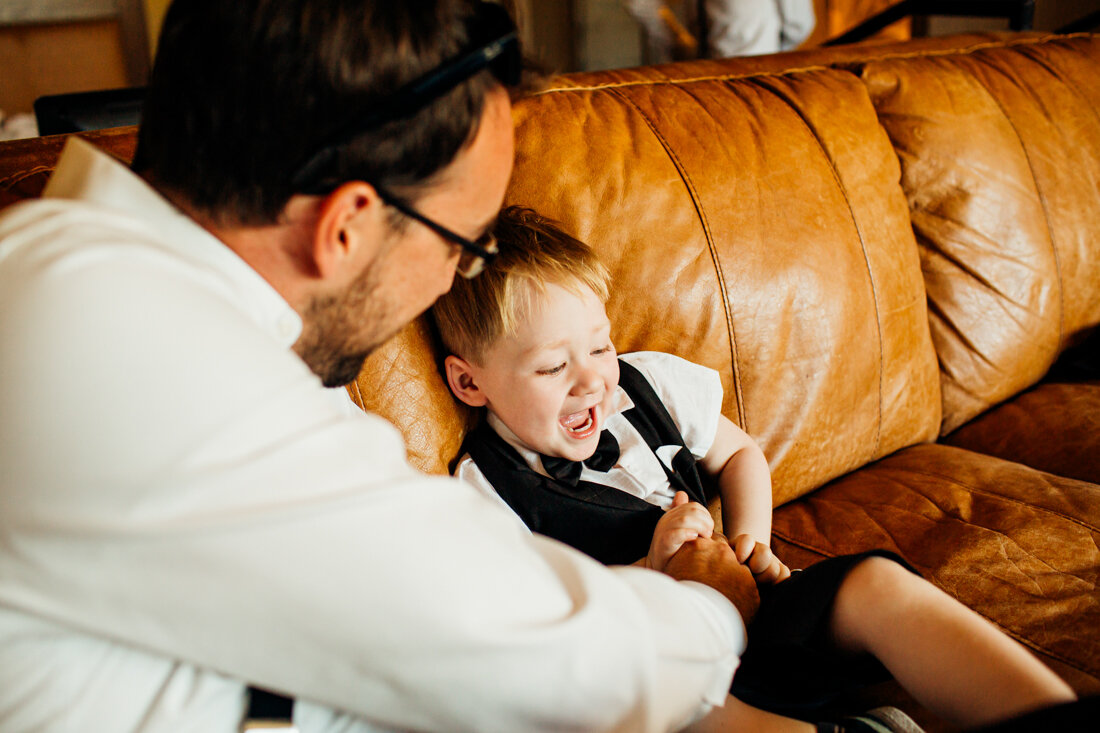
(579, 425)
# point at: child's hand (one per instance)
(766, 568)
(685, 520)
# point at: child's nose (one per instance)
(588, 381)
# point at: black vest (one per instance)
(604, 522)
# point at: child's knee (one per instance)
(874, 594)
(878, 580)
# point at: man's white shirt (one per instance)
(184, 509)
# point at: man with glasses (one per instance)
(187, 511)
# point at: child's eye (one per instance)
(602, 350)
(552, 370)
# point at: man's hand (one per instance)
(684, 520)
(712, 562)
(766, 568)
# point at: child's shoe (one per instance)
(877, 720)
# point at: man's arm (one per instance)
(711, 561)
(200, 498)
(407, 600)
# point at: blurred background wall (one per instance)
(62, 46)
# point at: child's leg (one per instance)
(737, 716)
(948, 657)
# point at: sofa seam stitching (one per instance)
(726, 306)
(1080, 94)
(862, 244)
(20, 176)
(849, 67)
(1042, 202)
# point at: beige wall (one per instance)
(58, 58)
(154, 14)
(72, 46)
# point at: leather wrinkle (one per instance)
(1062, 78)
(963, 336)
(727, 308)
(945, 366)
(1043, 203)
(1034, 646)
(1011, 500)
(954, 480)
(988, 252)
(783, 97)
(1002, 539)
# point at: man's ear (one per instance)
(460, 378)
(349, 231)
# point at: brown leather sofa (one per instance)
(884, 251)
(884, 259)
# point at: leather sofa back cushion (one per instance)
(754, 225)
(1000, 158)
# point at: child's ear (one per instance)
(460, 378)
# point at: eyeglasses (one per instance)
(476, 253)
(494, 45)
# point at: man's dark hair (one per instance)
(244, 91)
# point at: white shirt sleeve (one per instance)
(742, 27)
(691, 393)
(177, 483)
(798, 21)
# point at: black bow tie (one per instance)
(567, 471)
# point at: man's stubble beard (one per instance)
(334, 343)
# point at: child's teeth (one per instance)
(584, 425)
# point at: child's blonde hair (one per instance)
(534, 252)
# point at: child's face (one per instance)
(553, 384)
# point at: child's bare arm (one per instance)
(745, 486)
(744, 481)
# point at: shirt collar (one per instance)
(87, 174)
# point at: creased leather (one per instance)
(1019, 546)
(1053, 427)
(1000, 157)
(755, 226)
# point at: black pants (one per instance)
(790, 665)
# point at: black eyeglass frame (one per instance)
(481, 252)
(494, 46)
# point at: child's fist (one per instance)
(683, 521)
(765, 566)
